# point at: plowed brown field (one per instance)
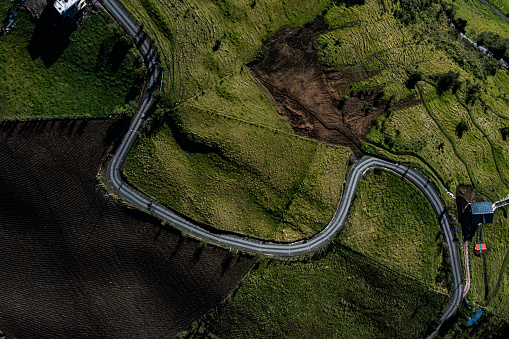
(76, 263)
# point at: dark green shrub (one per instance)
(505, 132)
(461, 128)
(413, 78)
(447, 81)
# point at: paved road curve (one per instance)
(268, 248)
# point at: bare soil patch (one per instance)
(78, 264)
(465, 194)
(311, 96)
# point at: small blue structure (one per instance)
(479, 213)
(472, 320)
(448, 192)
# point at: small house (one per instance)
(480, 249)
(68, 8)
(479, 213)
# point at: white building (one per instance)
(68, 7)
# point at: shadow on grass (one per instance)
(50, 37)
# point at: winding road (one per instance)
(123, 190)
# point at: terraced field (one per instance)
(202, 42)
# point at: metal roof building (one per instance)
(479, 213)
(69, 7)
(480, 249)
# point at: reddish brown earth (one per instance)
(77, 264)
(309, 94)
(465, 194)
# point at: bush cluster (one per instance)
(433, 25)
(414, 76)
(460, 128)
(447, 81)
(349, 3)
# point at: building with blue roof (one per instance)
(476, 213)
(479, 213)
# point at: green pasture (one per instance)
(392, 222)
(239, 176)
(97, 74)
(338, 294)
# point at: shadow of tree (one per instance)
(51, 36)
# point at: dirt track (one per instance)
(74, 263)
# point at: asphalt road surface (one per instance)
(127, 193)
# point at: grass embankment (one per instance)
(96, 75)
(241, 177)
(456, 133)
(226, 158)
(341, 294)
(392, 222)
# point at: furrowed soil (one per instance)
(338, 293)
(313, 97)
(77, 263)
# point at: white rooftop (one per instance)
(63, 6)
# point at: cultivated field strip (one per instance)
(415, 121)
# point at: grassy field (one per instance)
(202, 42)
(234, 175)
(226, 157)
(480, 18)
(392, 222)
(341, 294)
(95, 75)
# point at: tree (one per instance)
(505, 132)
(461, 128)
(472, 92)
(460, 24)
(446, 81)
(494, 43)
(413, 78)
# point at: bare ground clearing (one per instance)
(312, 96)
